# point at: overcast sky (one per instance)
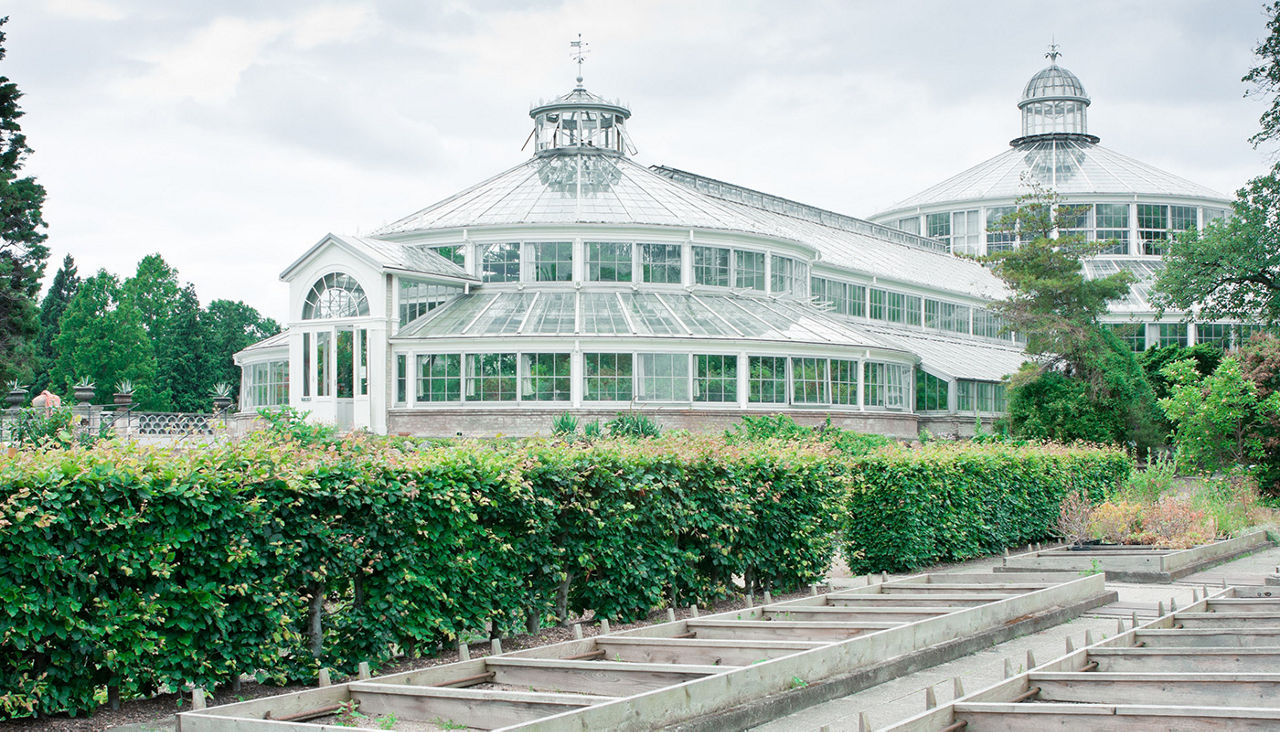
(232, 135)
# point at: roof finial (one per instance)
(579, 53)
(1053, 53)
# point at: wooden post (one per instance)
(870, 580)
(604, 626)
(1160, 609)
(864, 724)
(693, 611)
(813, 590)
(1031, 660)
(1133, 619)
(197, 699)
(671, 615)
(1088, 637)
(884, 577)
(1071, 647)
(957, 688)
(1008, 669)
(1119, 626)
(323, 679)
(930, 700)
(577, 631)
(496, 645)
(464, 651)
(1173, 605)
(362, 671)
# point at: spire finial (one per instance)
(579, 54)
(1053, 53)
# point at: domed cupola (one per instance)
(579, 121)
(1054, 105)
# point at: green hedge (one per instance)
(142, 569)
(909, 508)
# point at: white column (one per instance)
(862, 407)
(577, 372)
(1135, 243)
(744, 380)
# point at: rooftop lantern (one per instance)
(1054, 105)
(579, 121)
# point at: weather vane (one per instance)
(579, 54)
(1053, 53)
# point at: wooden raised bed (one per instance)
(1124, 563)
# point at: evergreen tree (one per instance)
(154, 292)
(22, 249)
(101, 336)
(181, 373)
(63, 288)
(232, 326)
(1265, 77)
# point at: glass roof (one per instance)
(1069, 167)
(1054, 82)
(956, 358)
(637, 314)
(1144, 272)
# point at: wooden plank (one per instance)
(1160, 689)
(482, 709)
(1110, 718)
(595, 677)
(783, 629)
(1226, 637)
(1244, 605)
(708, 651)
(1227, 620)
(1186, 660)
(933, 587)
(941, 599)
(831, 612)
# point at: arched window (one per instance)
(336, 295)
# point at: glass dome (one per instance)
(579, 120)
(1054, 103)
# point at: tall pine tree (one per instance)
(154, 293)
(181, 371)
(101, 337)
(65, 283)
(22, 249)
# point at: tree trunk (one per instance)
(315, 615)
(562, 600)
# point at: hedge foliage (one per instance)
(909, 508)
(140, 569)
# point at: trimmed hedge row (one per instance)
(134, 569)
(909, 508)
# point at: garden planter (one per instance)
(124, 399)
(221, 403)
(16, 397)
(84, 394)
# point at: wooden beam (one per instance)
(835, 612)
(961, 587)
(1161, 689)
(784, 629)
(595, 677)
(1244, 605)
(482, 709)
(1228, 620)
(1186, 660)
(1110, 717)
(1224, 637)
(700, 650)
(940, 599)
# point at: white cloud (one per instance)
(332, 24)
(85, 9)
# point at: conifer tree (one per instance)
(65, 283)
(181, 368)
(22, 249)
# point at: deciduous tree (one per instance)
(101, 337)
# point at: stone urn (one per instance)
(221, 403)
(84, 394)
(123, 398)
(15, 397)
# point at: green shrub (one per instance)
(143, 568)
(783, 427)
(634, 425)
(564, 425)
(948, 503)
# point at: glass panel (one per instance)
(504, 316)
(607, 377)
(946, 316)
(938, 226)
(741, 320)
(418, 297)
(553, 261)
(911, 308)
(965, 400)
(336, 295)
(602, 314)
(966, 233)
(1172, 334)
(844, 381)
(911, 225)
(322, 364)
(501, 262)
(362, 364)
(546, 377)
(1112, 222)
(987, 324)
(553, 313)
(932, 393)
(748, 270)
(440, 377)
(809, 381)
(845, 298)
(650, 316)
(345, 367)
(1216, 334)
(451, 252)
(491, 377)
(664, 377)
(717, 379)
(306, 364)
(1133, 335)
(1000, 233)
(608, 261)
(660, 263)
(454, 317)
(781, 279)
(402, 378)
(699, 319)
(1182, 218)
(711, 266)
(767, 379)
